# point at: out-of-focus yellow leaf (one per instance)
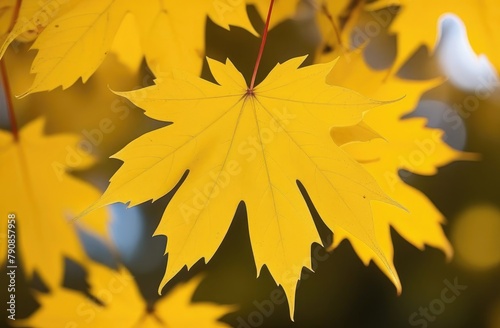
(417, 24)
(249, 146)
(123, 306)
(476, 237)
(282, 10)
(127, 44)
(335, 20)
(189, 314)
(408, 145)
(7, 10)
(103, 120)
(32, 19)
(44, 197)
(73, 38)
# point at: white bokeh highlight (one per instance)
(464, 68)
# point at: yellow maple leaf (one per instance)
(123, 306)
(103, 120)
(407, 144)
(32, 17)
(252, 145)
(482, 19)
(43, 196)
(127, 45)
(75, 36)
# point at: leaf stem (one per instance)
(8, 101)
(326, 12)
(15, 14)
(5, 79)
(262, 45)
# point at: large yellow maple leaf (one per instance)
(123, 306)
(402, 144)
(73, 37)
(481, 18)
(250, 145)
(37, 188)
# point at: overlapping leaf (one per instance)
(249, 146)
(123, 306)
(7, 10)
(74, 36)
(335, 21)
(482, 19)
(43, 196)
(403, 144)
